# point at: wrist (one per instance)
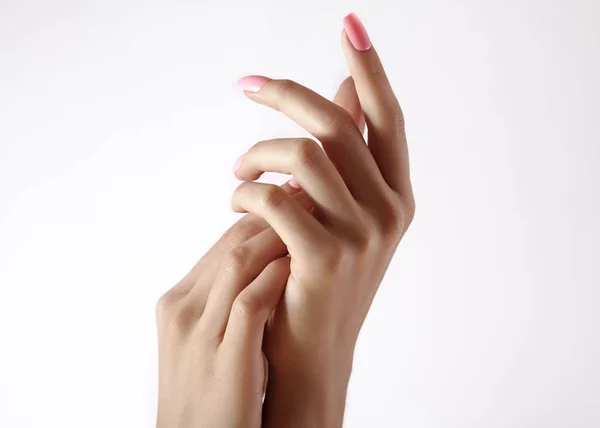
(298, 400)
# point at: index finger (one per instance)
(330, 123)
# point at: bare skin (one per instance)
(363, 206)
(340, 232)
(212, 370)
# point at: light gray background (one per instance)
(119, 125)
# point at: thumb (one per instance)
(347, 98)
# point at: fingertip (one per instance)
(356, 32)
(348, 81)
(237, 209)
(293, 183)
(237, 165)
(290, 189)
(252, 84)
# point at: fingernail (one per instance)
(252, 83)
(356, 32)
(294, 183)
(237, 164)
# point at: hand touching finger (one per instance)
(301, 232)
(310, 167)
(331, 124)
(253, 306)
(207, 270)
(245, 228)
(238, 269)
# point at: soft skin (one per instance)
(274, 309)
(212, 370)
(363, 205)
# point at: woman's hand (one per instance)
(212, 371)
(363, 206)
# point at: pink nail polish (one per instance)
(356, 32)
(294, 183)
(237, 164)
(252, 83)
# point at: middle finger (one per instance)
(330, 124)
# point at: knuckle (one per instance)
(364, 237)
(184, 316)
(376, 69)
(409, 210)
(394, 225)
(339, 123)
(246, 306)
(163, 307)
(307, 152)
(258, 148)
(178, 319)
(398, 120)
(395, 126)
(237, 259)
(247, 228)
(273, 196)
(167, 304)
(394, 218)
(243, 231)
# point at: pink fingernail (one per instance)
(252, 83)
(356, 32)
(237, 164)
(294, 183)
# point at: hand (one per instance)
(363, 206)
(212, 372)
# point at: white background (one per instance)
(119, 125)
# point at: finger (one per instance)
(385, 121)
(198, 292)
(248, 226)
(347, 98)
(312, 170)
(238, 269)
(245, 228)
(302, 233)
(330, 124)
(253, 306)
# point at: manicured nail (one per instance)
(237, 164)
(252, 83)
(356, 32)
(294, 183)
